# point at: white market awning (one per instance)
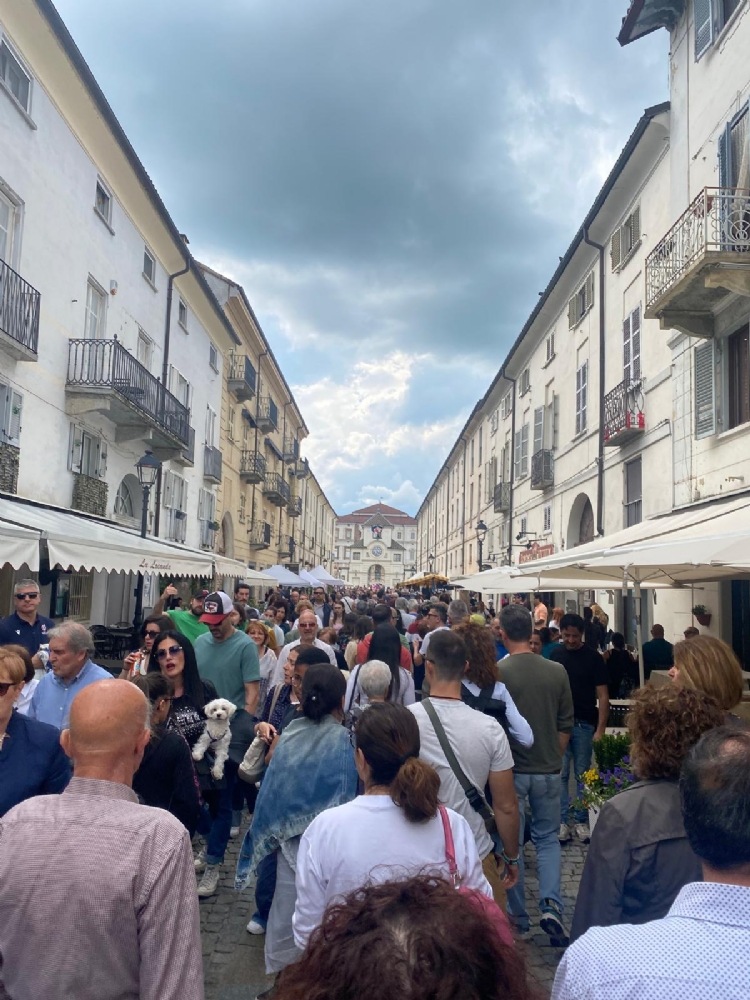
(285, 578)
(324, 576)
(75, 541)
(19, 546)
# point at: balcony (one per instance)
(89, 495)
(295, 507)
(501, 498)
(286, 547)
(19, 315)
(276, 490)
(187, 456)
(302, 468)
(252, 467)
(703, 257)
(290, 451)
(267, 418)
(623, 414)
(241, 377)
(259, 535)
(103, 377)
(542, 470)
(211, 464)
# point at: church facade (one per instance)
(375, 546)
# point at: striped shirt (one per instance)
(97, 899)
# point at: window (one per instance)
(733, 161)
(103, 203)
(479, 435)
(11, 408)
(539, 429)
(213, 357)
(631, 336)
(87, 453)
(506, 405)
(581, 302)
(149, 266)
(206, 516)
(398, 535)
(524, 382)
(230, 423)
(738, 378)
(412, 535)
(547, 514)
(582, 393)
(490, 479)
(633, 492)
(7, 226)
(145, 349)
(210, 426)
(521, 453)
(95, 310)
(471, 501)
(174, 499)
(397, 557)
(705, 394)
(626, 239)
(71, 595)
(182, 313)
(356, 556)
(494, 422)
(550, 347)
(524, 525)
(348, 534)
(471, 456)
(710, 18)
(125, 503)
(179, 386)
(14, 76)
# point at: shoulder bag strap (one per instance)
(472, 793)
(450, 850)
(276, 693)
(354, 687)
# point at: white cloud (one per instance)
(405, 496)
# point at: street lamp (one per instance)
(430, 560)
(481, 533)
(147, 468)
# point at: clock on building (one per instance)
(377, 550)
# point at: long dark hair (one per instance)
(388, 736)
(363, 627)
(385, 645)
(191, 680)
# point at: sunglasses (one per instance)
(162, 654)
(5, 686)
(152, 633)
(27, 597)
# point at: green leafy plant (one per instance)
(701, 609)
(600, 785)
(611, 750)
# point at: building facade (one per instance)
(375, 546)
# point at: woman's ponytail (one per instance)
(415, 790)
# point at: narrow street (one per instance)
(233, 959)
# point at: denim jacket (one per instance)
(312, 769)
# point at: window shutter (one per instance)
(635, 226)
(572, 319)
(578, 400)
(635, 344)
(201, 505)
(725, 165)
(102, 459)
(550, 424)
(705, 396)
(183, 499)
(626, 353)
(584, 393)
(614, 250)
(168, 488)
(704, 27)
(75, 448)
(525, 450)
(538, 429)
(590, 291)
(517, 456)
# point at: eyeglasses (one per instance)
(162, 654)
(308, 624)
(5, 686)
(152, 633)
(32, 596)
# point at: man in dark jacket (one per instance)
(658, 654)
(321, 606)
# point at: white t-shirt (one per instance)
(371, 840)
(480, 745)
(406, 694)
(278, 674)
(426, 641)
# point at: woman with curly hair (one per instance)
(418, 938)
(481, 688)
(639, 857)
(707, 664)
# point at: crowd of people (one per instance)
(387, 756)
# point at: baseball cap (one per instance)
(201, 593)
(216, 607)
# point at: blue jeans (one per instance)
(221, 822)
(579, 751)
(543, 792)
(265, 887)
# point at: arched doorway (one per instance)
(375, 574)
(581, 525)
(225, 541)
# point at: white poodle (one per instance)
(216, 736)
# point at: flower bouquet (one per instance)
(599, 786)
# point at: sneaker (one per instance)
(200, 861)
(209, 882)
(551, 921)
(256, 927)
(583, 833)
(564, 833)
(234, 831)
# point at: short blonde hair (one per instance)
(303, 605)
(709, 665)
(12, 665)
(269, 634)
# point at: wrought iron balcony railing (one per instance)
(623, 413)
(267, 418)
(241, 378)
(276, 490)
(105, 364)
(286, 547)
(252, 467)
(542, 470)
(290, 450)
(501, 497)
(187, 455)
(259, 535)
(212, 464)
(302, 468)
(295, 507)
(19, 309)
(717, 220)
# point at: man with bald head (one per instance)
(97, 892)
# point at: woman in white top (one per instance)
(385, 645)
(264, 638)
(30, 680)
(390, 833)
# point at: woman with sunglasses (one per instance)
(166, 778)
(32, 762)
(136, 663)
(172, 655)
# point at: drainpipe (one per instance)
(512, 469)
(165, 381)
(257, 411)
(600, 460)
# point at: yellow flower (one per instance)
(590, 776)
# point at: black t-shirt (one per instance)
(586, 671)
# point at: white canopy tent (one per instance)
(310, 580)
(284, 577)
(325, 577)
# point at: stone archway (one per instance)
(375, 574)
(225, 541)
(581, 524)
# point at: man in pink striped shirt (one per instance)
(97, 892)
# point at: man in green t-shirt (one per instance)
(187, 623)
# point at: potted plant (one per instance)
(702, 614)
(599, 786)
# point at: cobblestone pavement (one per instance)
(233, 959)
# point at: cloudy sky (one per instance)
(391, 182)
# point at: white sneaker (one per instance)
(200, 861)
(234, 831)
(255, 928)
(564, 833)
(209, 882)
(583, 833)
